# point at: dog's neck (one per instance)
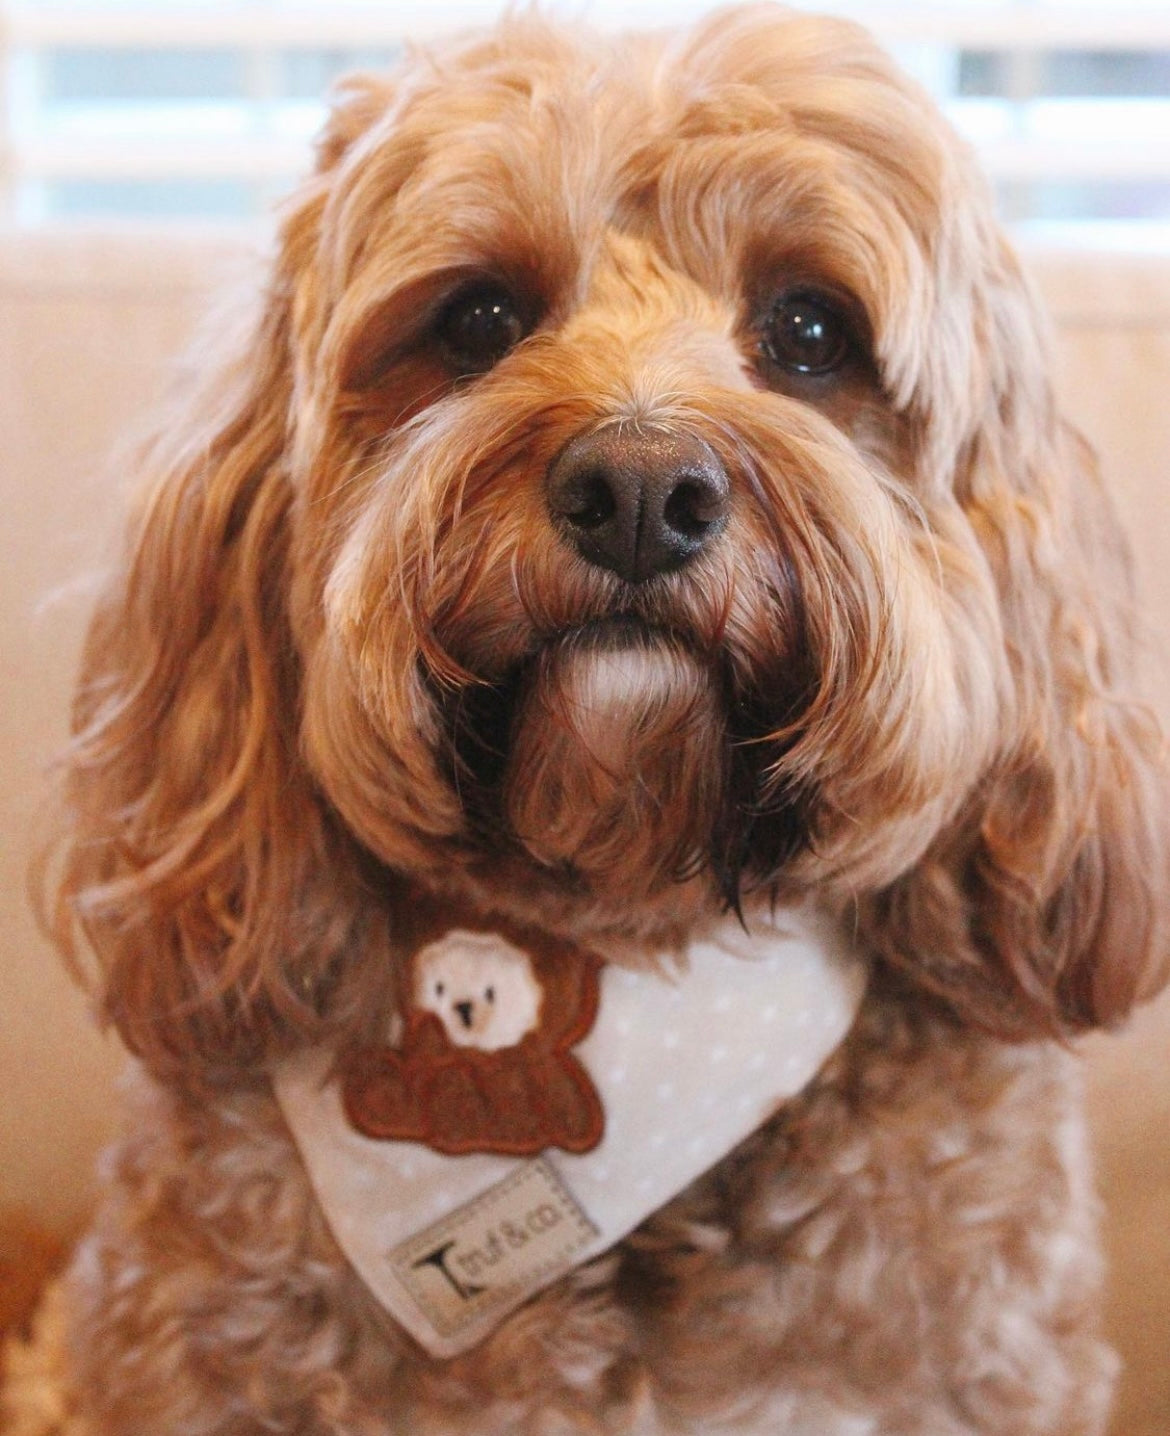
(510, 894)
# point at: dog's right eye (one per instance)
(479, 326)
(805, 334)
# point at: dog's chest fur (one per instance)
(893, 1185)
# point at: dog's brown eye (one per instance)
(479, 326)
(806, 335)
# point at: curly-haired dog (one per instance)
(639, 501)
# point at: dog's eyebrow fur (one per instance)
(707, 159)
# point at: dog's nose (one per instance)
(638, 502)
(465, 1009)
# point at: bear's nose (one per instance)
(638, 502)
(465, 1009)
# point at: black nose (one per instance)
(638, 502)
(465, 1009)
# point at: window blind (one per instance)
(205, 110)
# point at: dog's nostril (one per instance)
(693, 507)
(590, 502)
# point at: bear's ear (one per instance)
(415, 973)
(570, 978)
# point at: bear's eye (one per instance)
(439, 989)
(490, 994)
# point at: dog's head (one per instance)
(642, 488)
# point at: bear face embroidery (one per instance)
(481, 987)
(485, 1060)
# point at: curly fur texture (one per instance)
(348, 649)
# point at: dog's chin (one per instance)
(615, 759)
(616, 763)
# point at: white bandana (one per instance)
(686, 1066)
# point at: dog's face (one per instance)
(625, 544)
(644, 487)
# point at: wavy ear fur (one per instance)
(214, 891)
(202, 922)
(1044, 909)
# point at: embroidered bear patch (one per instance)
(485, 1062)
(482, 988)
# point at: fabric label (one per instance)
(512, 1240)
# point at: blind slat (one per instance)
(245, 27)
(236, 158)
(94, 98)
(979, 27)
(264, 158)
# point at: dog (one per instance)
(637, 511)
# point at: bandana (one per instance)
(513, 1129)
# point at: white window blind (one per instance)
(205, 110)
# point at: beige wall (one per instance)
(86, 328)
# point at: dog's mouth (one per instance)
(621, 757)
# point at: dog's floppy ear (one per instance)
(1045, 907)
(178, 765)
(194, 861)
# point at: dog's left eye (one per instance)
(805, 334)
(479, 326)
